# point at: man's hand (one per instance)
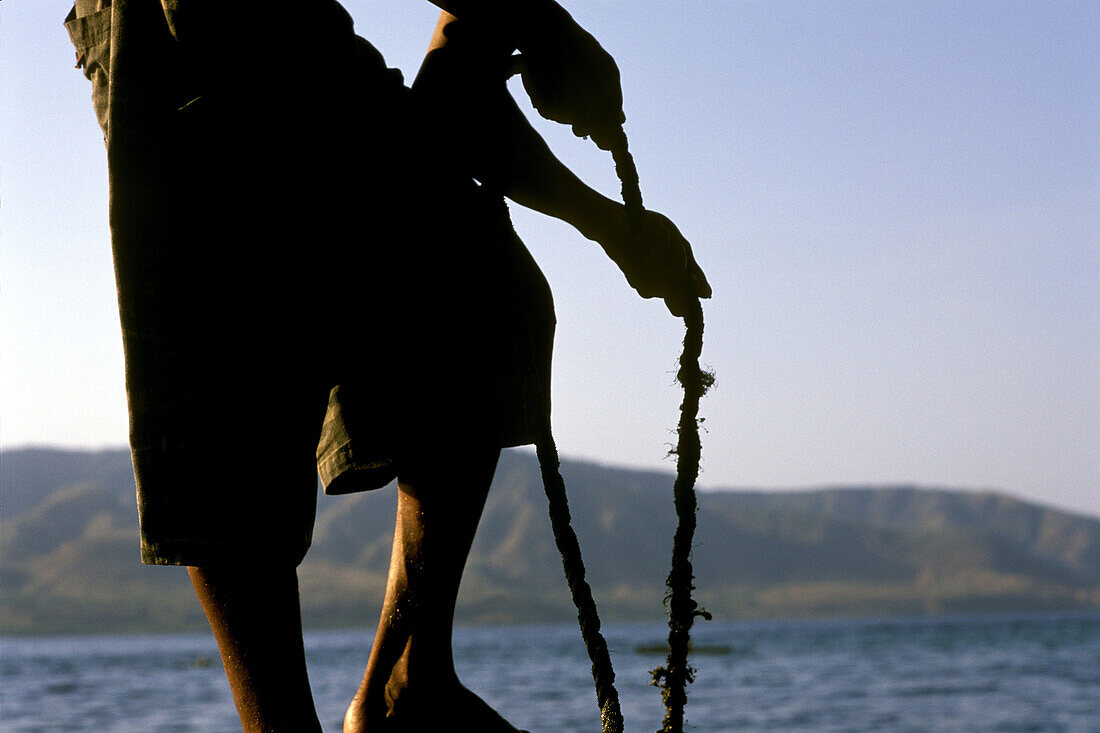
(571, 79)
(658, 263)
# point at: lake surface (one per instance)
(1005, 673)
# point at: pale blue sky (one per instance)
(897, 203)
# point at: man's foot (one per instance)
(432, 711)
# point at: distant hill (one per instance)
(69, 560)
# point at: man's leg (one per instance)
(410, 681)
(256, 618)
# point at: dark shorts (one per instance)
(302, 288)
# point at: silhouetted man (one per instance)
(309, 278)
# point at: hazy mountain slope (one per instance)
(69, 558)
(29, 475)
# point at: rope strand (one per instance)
(603, 674)
(607, 696)
(675, 675)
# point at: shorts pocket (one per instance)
(91, 35)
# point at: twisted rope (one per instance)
(611, 718)
(675, 675)
(603, 674)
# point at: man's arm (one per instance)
(462, 85)
(521, 22)
(570, 78)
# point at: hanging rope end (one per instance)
(611, 718)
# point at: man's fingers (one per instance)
(699, 281)
(678, 305)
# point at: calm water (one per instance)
(1026, 673)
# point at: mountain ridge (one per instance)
(68, 550)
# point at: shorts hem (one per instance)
(195, 553)
(342, 473)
